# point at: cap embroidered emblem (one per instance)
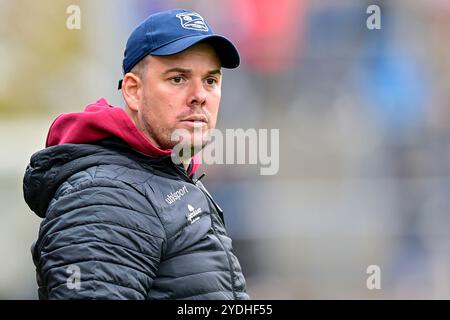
(192, 21)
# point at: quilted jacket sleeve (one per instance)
(99, 240)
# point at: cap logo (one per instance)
(192, 21)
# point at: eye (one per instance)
(211, 81)
(177, 80)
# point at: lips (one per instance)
(196, 118)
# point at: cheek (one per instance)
(157, 107)
(212, 120)
(214, 110)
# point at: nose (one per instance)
(197, 96)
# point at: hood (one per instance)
(50, 167)
(99, 121)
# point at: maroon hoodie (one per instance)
(98, 121)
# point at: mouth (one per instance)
(195, 120)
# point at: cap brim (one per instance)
(227, 52)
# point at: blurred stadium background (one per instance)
(364, 119)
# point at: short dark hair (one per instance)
(140, 68)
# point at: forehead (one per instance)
(201, 53)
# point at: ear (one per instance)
(132, 90)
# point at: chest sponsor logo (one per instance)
(177, 195)
(193, 214)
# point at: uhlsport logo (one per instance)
(192, 21)
(177, 195)
(192, 215)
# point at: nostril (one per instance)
(197, 101)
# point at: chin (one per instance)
(194, 143)
(190, 146)
(190, 138)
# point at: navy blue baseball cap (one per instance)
(172, 31)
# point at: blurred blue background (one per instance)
(364, 119)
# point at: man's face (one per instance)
(180, 91)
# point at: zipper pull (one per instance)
(201, 177)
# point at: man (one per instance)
(122, 220)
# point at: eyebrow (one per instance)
(183, 70)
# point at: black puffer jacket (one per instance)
(119, 224)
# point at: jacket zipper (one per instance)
(210, 200)
(230, 263)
